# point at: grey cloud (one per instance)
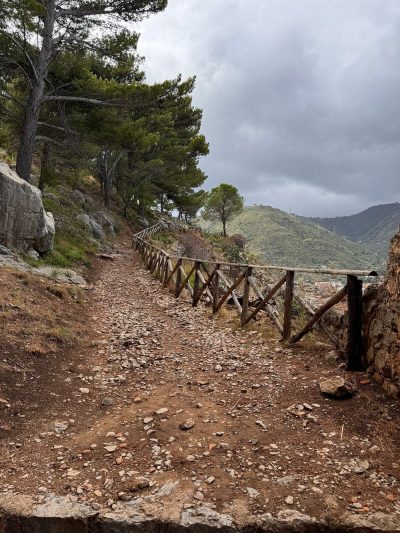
(301, 99)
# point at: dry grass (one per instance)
(61, 335)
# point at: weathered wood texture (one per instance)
(205, 280)
(354, 348)
(319, 313)
(287, 318)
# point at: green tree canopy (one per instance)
(223, 203)
(33, 34)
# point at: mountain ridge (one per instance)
(285, 239)
(374, 226)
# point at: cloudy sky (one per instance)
(301, 98)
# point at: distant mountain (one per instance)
(288, 240)
(374, 227)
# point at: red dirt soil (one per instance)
(101, 362)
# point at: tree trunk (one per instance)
(44, 166)
(32, 110)
(224, 227)
(107, 190)
(141, 207)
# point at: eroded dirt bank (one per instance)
(162, 411)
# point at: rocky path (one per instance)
(167, 409)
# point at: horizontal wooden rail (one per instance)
(205, 280)
(322, 271)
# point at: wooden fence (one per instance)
(208, 280)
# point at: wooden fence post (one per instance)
(354, 348)
(246, 295)
(166, 270)
(289, 293)
(215, 291)
(196, 283)
(178, 279)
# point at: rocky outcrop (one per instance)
(98, 224)
(24, 223)
(382, 324)
(63, 275)
(92, 226)
(58, 514)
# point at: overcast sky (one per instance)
(301, 98)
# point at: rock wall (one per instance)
(382, 324)
(24, 223)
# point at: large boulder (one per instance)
(92, 226)
(336, 387)
(24, 223)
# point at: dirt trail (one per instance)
(111, 428)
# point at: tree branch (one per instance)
(60, 128)
(7, 96)
(23, 49)
(48, 139)
(18, 65)
(83, 100)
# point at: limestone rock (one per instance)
(51, 196)
(24, 223)
(92, 226)
(77, 196)
(5, 251)
(336, 387)
(106, 221)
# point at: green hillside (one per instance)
(374, 226)
(288, 240)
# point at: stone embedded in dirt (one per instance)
(289, 500)
(359, 466)
(3, 403)
(107, 401)
(124, 497)
(185, 426)
(111, 448)
(261, 424)
(297, 410)
(337, 387)
(162, 411)
(147, 420)
(210, 480)
(108, 483)
(59, 427)
(286, 480)
(84, 390)
(198, 496)
(218, 368)
(253, 493)
(106, 257)
(139, 483)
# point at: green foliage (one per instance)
(72, 245)
(223, 203)
(164, 238)
(97, 115)
(287, 240)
